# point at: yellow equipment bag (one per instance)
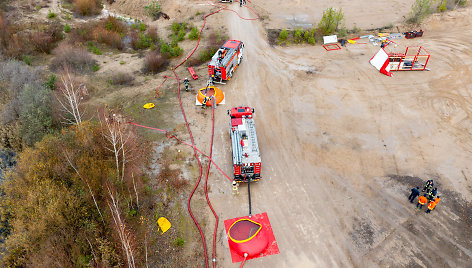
(351, 41)
(164, 224)
(148, 105)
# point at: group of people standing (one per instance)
(429, 195)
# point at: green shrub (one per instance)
(461, 2)
(309, 36)
(144, 41)
(179, 242)
(96, 68)
(26, 59)
(197, 14)
(331, 20)
(193, 35)
(35, 114)
(442, 7)
(298, 35)
(51, 82)
(419, 11)
(283, 35)
(67, 28)
(51, 14)
(175, 52)
(165, 48)
(181, 35)
(93, 48)
(153, 10)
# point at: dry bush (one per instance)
(108, 31)
(77, 59)
(42, 42)
(87, 7)
(12, 42)
(154, 62)
(110, 38)
(121, 78)
(152, 32)
(172, 178)
(113, 24)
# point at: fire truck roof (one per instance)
(232, 44)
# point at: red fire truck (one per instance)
(246, 155)
(225, 61)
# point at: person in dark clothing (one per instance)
(204, 102)
(432, 193)
(429, 185)
(414, 193)
(186, 83)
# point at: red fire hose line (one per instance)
(193, 142)
(206, 181)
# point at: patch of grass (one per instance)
(96, 67)
(122, 62)
(93, 48)
(179, 242)
(26, 59)
(51, 14)
(197, 14)
(121, 78)
(139, 26)
(51, 82)
(67, 28)
(153, 9)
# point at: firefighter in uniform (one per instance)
(235, 188)
(204, 102)
(422, 200)
(186, 83)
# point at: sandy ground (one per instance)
(363, 14)
(342, 145)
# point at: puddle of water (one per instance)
(298, 20)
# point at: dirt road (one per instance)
(342, 145)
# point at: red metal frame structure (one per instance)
(330, 47)
(415, 58)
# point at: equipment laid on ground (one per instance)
(331, 42)
(225, 61)
(148, 105)
(246, 156)
(226, 1)
(208, 92)
(250, 237)
(192, 73)
(413, 34)
(414, 59)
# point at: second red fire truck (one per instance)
(225, 61)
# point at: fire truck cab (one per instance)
(246, 155)
(225, 61)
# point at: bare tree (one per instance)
(120, 225)
(70, 97)
(112, 133)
